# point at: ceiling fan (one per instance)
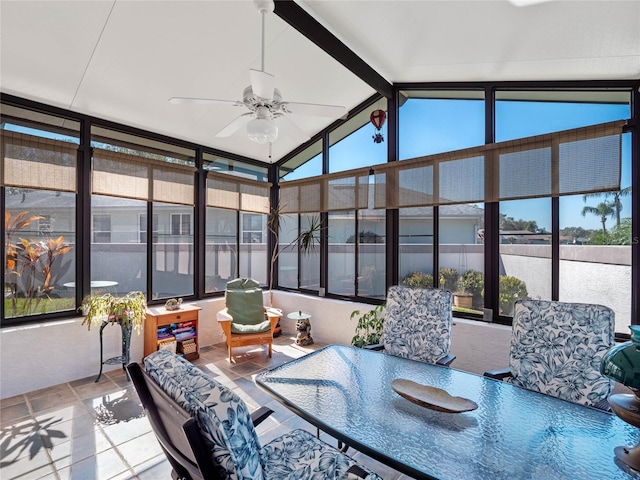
(267, 113)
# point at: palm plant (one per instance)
(603, 210)
(306, 240)
(617, 203)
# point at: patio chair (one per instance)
(417, 324)
(245, 320)
(206, 431)
(556, 349)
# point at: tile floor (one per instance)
(85, 430)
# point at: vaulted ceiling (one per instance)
(122, 60)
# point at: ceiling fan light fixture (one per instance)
(262, 130)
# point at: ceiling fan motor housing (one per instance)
(253, 102)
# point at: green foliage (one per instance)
(33, 266)
(576, 233)
(366, 237)
(130, 309)
(369, 327)
(418, 280)
(472, 282)
(449, 279)
(619, 235)
(511, 290)
(510, 224)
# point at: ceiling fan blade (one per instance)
(202, 101)
(291, 129)
(262, 83)
(234, 126)
(330, 111)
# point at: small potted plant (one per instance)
(129, 310)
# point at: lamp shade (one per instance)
(262, 130)
(622, 362)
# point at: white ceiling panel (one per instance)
(122, 60)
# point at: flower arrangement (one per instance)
(129, 310)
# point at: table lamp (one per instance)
(622, 363)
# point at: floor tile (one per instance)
(104, 465)
(97, 431)
(140, 449)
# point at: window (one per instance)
(118, 255)
(253, 228)
(253, 247)
(248, 200)
(101, 228)
(130, 176)
(39, 183)
(221, 248)
(437, 121)
(180, 224)
(593, 263)
(352, 145)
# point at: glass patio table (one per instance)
(513, 434)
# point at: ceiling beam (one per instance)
(308, 26)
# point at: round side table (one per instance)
(303, 326)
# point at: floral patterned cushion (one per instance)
(223, 417)
(300, 455)
(417, 323)
(227, 429)
(556, 349)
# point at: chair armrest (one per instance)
(223, 316)
(260, 415)
(376, 347)
(446, 360)
(499, 374)
(273, 312)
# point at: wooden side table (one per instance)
(161, 317)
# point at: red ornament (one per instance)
(378, 118)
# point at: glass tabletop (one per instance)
(513, 434)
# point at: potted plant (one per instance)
(129, 310)
(306, 241)
(369, 327)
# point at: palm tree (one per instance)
(603, 210)
(617, 204)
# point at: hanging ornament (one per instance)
(378, 118)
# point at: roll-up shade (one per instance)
(579, 161)
(326, 193)
(29, 161)
(301, 196)
(347, 190)
(454, 177)
(237, 193)
(119, 174)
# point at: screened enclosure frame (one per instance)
(348, 184)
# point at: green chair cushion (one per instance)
(244, 302)
(259, 328)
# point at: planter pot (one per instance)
(463, 301)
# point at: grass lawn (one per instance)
(46, 305)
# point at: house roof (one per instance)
(122, 61)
